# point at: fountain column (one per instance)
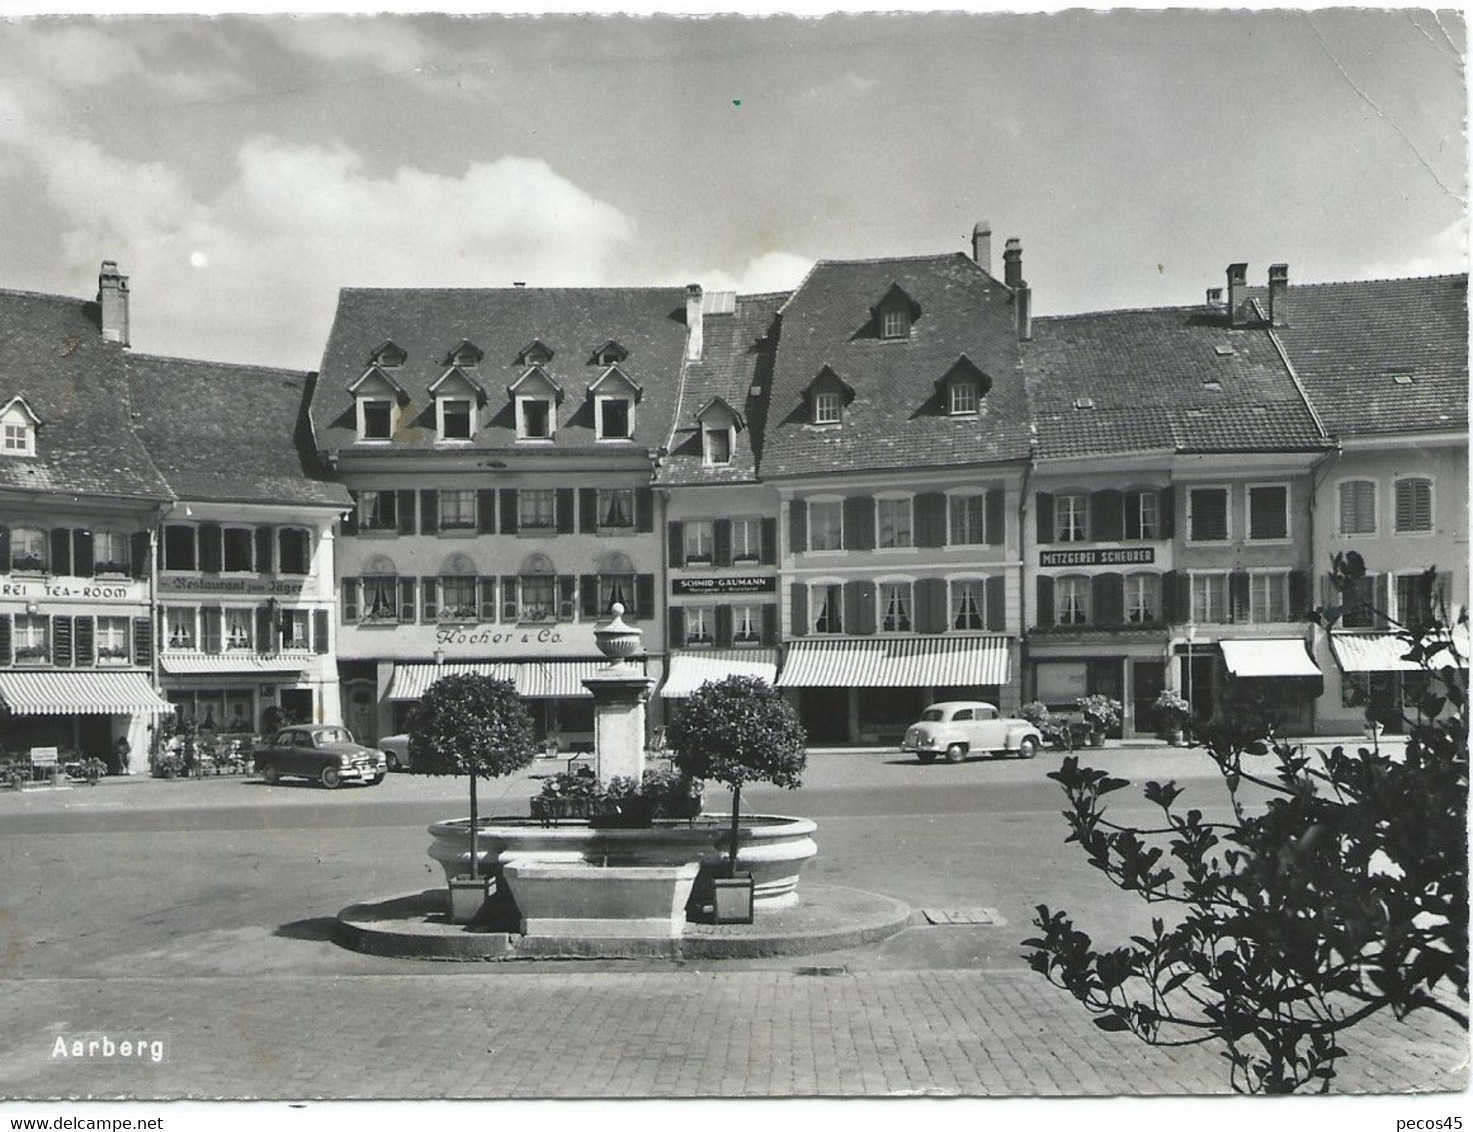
(620, 691)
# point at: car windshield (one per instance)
(932, 715)
(333, 735)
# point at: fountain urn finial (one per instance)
(618, 640)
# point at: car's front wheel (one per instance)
(331, 778)
(1027, 748)
(270, 774)
(956, 753)
(376, 779)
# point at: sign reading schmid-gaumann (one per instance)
(731, 585)
(1100, 556)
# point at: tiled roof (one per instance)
(228, 433)
(1350, 341)
(52, 354)
(895, 418)
(737, 358)
(1174, 379)
(573, 322)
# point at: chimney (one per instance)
(1012, 263)
(1237, 292)
(1214, 300)
(982, 245)
(1278, 294)
(693, 336)
(1023, 309)
(112, 297)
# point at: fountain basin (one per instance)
(601, 902)
(772, 847)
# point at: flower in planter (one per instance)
(1101, 711)
(1174, 710)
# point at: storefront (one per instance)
(1376, 675)
(1252, 680)
(82, 714)
(1126, 666)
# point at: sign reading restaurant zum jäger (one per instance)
(1099, 556)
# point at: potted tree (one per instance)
(1174, 712)
(1101, 713)
(738, 730)
(477, 726)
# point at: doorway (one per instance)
(825, 715)
(95, 736)
(296, 705)
(361, 713)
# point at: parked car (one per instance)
(321, 752)
(396, 750)
(958, 728)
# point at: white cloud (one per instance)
(771, 271)
(63, 57)
(1444, 253)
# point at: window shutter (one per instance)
(509, 598)
(723, 626)
(644, 510)
(1108, 598)
(5, 550)
(429, 511)
(350, 519)
(210, 618)
(996, 595)
(406, 600)
(644, 595)
(859, 522)
(675, 543)
(487, 594)
(61, 642)
(930, 606)
(509, 513)
(61, 551)
(1382, 601)
(138, 556)
(1166, 505)
(142, 642)
(799, 623)
(211, 548)
(320, 631)
(767, 553)
(85, 563)
(567, 585)
(798, 526)
(723, 542)
(265, 545)
(1298, 594)
(84, 635)
(404, 504)
(859, 607)
(1045, 616)
(429, 594)
(589, 585)
(1239, 596)
(263, 629)
(565, 510)
(587, 509)
(350, 600)
(486, 511)
(1106, 516)
(930, 519)
(5, 639)
(1131, 520)
(1170, 609)
(1044, 509)
(997, 521)
(677, 626)
(769, 625)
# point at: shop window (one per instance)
(895, 607)
(378, 511)
(746, 540)
(457, 510)
(110, 552)
(112, 641)
(825, 525)
(1268, 597)
(1357, 507)
(238, 630)
(1268, 513)
(746, 625)
(699, 540)
(32, 640)
(1413, 505)
(1207, 514)
(1071, 600)
(455, 418)
(29, 549)
(827, 604)
(1071, 523)
(700, 626)
(295, 627)
(1209, 598)
(295, 545)
(893, 522)
(537, 509)
(180, 628)
(967, 520)
(1142, 598)
(615, 508)
(968, 603)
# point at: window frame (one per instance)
(702, 617)
(1410, 478)
(106, 626)
(894, 323)
(292, 617)
(748, 547)
(1080, 596)
(977, 588)
(1154, 495)
(441, 405)
(549, 405)
(881, 603)
(226, 531)
(526, 495)
(43, 556)
(1135, 585)
(1227, 510)
(708, 456)
(837, 503)
(1208, 577)
(31, 640)
(600, 405)
(279, 538)
(1255, 577)
(1061, 534)
(752, 612)
(892, 499)
(26, 434)
(696, 532)
(828, 407)
(363, 419)
(187, 617)
(1288, 535)
(370, 517)
(604, 502)
(461, 495)
(118, 559)
(958, 387)
(247, 617)
(969, 494)
(833, 588)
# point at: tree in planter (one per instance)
(1338, 888)
(472, 725)
(737, 730)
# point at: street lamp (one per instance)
(1191, 655)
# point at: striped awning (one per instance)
(230, 664)
(1386, 652)
(928, 662)
(535, 679)
(690, 668)
(80, 693)
(1276, 657)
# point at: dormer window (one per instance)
(895, 313)
(963, 398)
(614, 415)
(716, 446)
(455, 419)
(535, 353)
(963, 389)
(614, 395)
(894, 324)
(827, 395)
(378, 397)
(457, 395)
(718, 423)
(375, 418)
(537, 396)
(18, 429)
(390, 356)
(609, 354)
(827, 408)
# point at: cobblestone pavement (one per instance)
(493, 1032)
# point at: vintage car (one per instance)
(396, 750)
(958, 728)
(322, 752)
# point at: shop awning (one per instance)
(920, 663)
(411, 680)
(690, 668)
(80, 693)
(231, 665)
(1276, 658)
(1386, 652)
(535, 679)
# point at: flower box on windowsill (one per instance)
(27, 565)
(32, 655)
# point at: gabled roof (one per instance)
(53, 355)
(536, 375)
(460, 375)
(892, 422)
(827, 375)
(1173, 379)
(614, 373)
(377, 373)
(24, 407)
(716, 403)
(535, 352)
(964, 369)
(609, 349)
(504, 322)
(389, 354)
(467, 353)
(1350, 342)
(897, 296)
(229, 433)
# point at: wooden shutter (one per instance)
(350, 517)
(930, 519)
(587, 509)
(722, 556)
(567, 590)
(644, 510)
(82, 558)
(263, 629)
(61, 550)
(798, 526)
(509, 591)
(1166, 508)
(565, 505)
(404, 523)
(644, 595)
(84, 636)
(61, 642)
(859, 522)
(509, 512)
(1045, 614)
(588, 584)
(930, 615)
(675, 543)
(320, 631)
(997, 519)
(767, 555)
(799, 622)
(1106, 515)
(677, 626)
(210, 620)
(5, 657)
(406, 600)
(1043, 503)
(1131, 517)
(486, 511)
(1239, 596)
(429, 511)
(1107, 598)
(265, 550)
(1299, 594)
(859, 607)
(211, 548)
(1382, 601)
(769, 624)
(996, 595)
(429, 596)
(723, 626)
(487, 594)
(350, 600)
(142, 642)
(5, 550)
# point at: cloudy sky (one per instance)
(241, 170)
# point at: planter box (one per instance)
(467, 898)
(733, 899)
(602, 902)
